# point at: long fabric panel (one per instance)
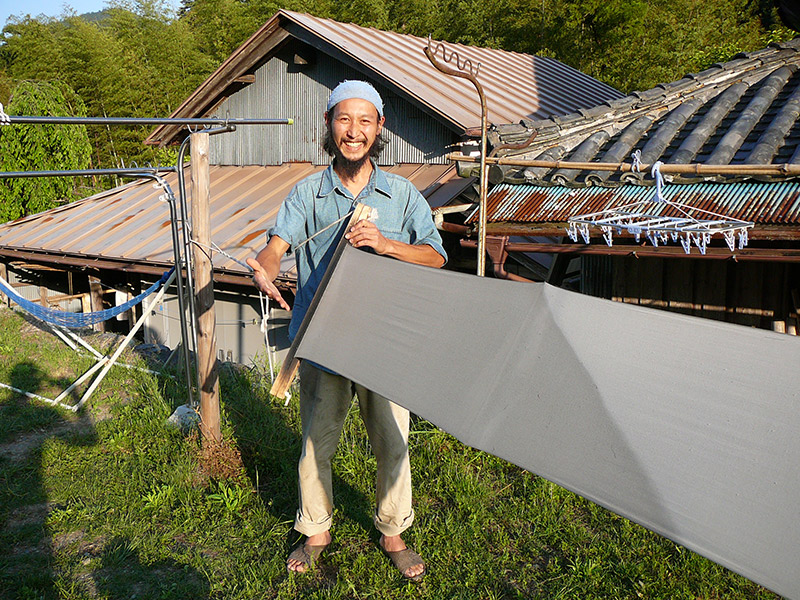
(687, 426)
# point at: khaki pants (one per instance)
(325, 399)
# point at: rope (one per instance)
(4, 118)
(656, 173)
(78, 320)
(308, 239)
(636, 159)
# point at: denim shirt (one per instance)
(314, 203)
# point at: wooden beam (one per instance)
(713, 253)
(204, 289)
(777, 169)
(4, 275)
(96, 294)
(290, 362)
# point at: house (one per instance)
(120, 238)
(741, 112)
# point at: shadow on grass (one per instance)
(26, 564)
(40, 561)
(122, 575)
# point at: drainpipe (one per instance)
(496, 248)
(438, 218)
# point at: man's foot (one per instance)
(306, 553)
(408, 562)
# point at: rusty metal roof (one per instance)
(766, 204)
(517, 85)
(745, 111)
(131, 224)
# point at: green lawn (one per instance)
(113, 503)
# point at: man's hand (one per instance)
(262, 281)
(366, 234)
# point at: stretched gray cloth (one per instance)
(687, 426)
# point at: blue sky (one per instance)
(51, 8)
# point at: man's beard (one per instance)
(350, 168)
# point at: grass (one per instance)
(114, 503)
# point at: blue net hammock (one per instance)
(78, 320)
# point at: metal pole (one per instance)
(473, 77)
(135, 172)
(215, 121)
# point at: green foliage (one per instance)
(41, 148)
(138, 61)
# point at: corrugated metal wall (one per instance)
(283, 89)
(238, 327)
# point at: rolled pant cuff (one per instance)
(308, 529)
(390, 529)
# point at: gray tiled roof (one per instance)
(744, 111)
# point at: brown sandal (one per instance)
(405, 559)
(305, 554)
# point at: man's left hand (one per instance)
(366, 234)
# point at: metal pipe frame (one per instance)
(218, 126)
(200, 122)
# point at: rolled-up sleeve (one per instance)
(419, 223)
(290, 225)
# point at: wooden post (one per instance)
(4, 275)
(96, 293)
(86, 303)
(204, 282)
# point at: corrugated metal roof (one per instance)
(130, 223)
(745, 111)
(517, 85)
(776, 203)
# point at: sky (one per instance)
(51, 8)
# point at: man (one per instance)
(403, 229)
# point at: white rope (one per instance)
(636, 157)
(655, 171)
(308, 239)
(4, 118)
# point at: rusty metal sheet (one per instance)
(763, 203)
(517, 85)
(131, 223)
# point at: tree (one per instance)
(41, 148)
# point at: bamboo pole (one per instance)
(677, 169)
(204, 290)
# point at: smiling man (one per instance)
(404, 230)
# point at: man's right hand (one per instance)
(262, 281)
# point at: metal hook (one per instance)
(462, 65)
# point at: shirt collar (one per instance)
(377, 181)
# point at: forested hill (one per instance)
(141, 59)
